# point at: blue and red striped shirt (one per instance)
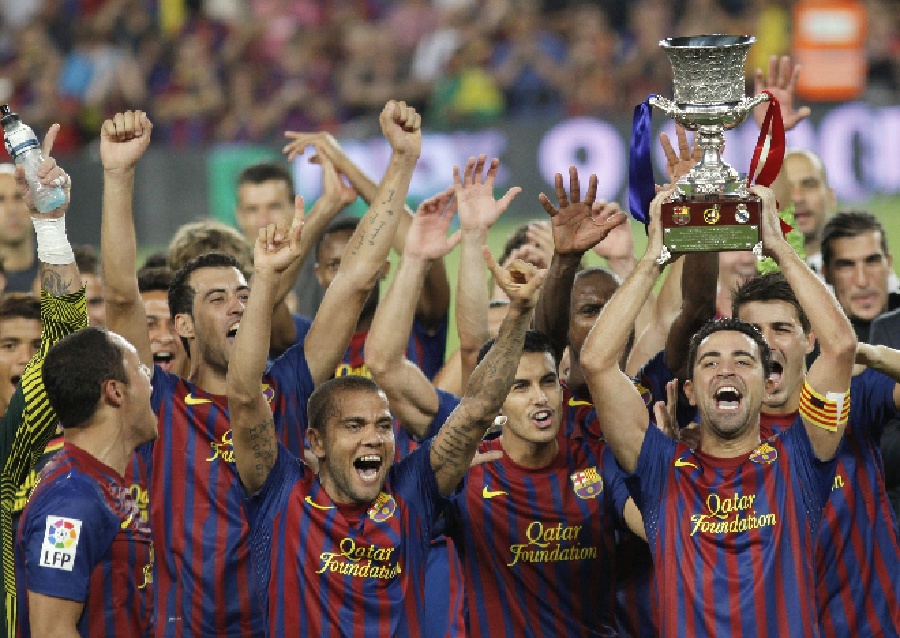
(203, 574)
(338, 570)
(82, 539)
(537, 545)
(858, 553)
(733, 540)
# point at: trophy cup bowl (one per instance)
(712, 209)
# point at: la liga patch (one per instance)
(60, 543)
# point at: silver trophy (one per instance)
(712, 209)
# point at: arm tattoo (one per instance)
(52, 281)
(263, 446)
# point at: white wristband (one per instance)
(52, 244)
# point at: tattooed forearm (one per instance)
(263, 447)
(375, 233)
(59, 280)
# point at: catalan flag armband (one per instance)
(826, 412)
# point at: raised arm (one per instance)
(123, 140)
(413, 398)
(620, 408)
(252, 425)
(478, 212)
(885, 360)
(455, 445)
(577, 227)
(831, 371)
(339, 312)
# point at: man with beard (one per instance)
(347, 548)
(731, 525)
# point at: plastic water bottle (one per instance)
(22, 145)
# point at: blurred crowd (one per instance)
(245, 70)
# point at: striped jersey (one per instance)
(425, 348)
(733, 540)
(858, 554)
(651, 382)
(537, 545)
(204, 585)
(25, 428)
(23, 494)
(343, 570)
(82, 539)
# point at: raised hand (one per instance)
(334, 190)
(782, 82)
(277, 247)
(402, 127)
(679, 164)
(654, 228)
(49, 174)
(519, 280)
(475, 194)
(123, 140)
(770, 231)
(323, 141)
(618, 245)
(427, 236)
(664, 411)
(580, 225)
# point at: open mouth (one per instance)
(14, 380)
(776, 373)
(367, 467)
(232, 332)
(543, 419)
(727, 398)
(163, 359)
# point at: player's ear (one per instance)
(184, 326)
(689, 392)
(113, 392)
(316, 442)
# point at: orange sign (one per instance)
(829, 43)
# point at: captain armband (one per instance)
(826, 412)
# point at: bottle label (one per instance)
(19, 141)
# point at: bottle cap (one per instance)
(7, 117)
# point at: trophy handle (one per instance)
(743, 108)
(665, 105)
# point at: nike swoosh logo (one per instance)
(190, 399)
(127, 521)
(575, 402)
(486, 493)
(309, 501)
(683, 463)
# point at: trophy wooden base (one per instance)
(714, 225)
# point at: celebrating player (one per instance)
(732, 525)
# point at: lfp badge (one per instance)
(587, 483)
(764, 454)
(383, 508)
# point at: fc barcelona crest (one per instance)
(587, 483)
(268, 392)
(764, 454)
(681, 215)
(383, 508)
(644, 391)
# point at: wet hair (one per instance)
(155, 279)
(20, 305)
(534, 342)
(734, 325)
(267, 172)
(75, 370)
(181, 294)
(208, 236)
(851, 223)
(323, 404)
(768, 287)
(339, 225)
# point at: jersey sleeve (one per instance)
(447, 403)
(263, 506)
(651, 473)
(301, 326)
(63, 537)
(871, 403)
(815, 477)
(427, 348)
(614, 478)
(414, 481)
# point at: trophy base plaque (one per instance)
(720, 224)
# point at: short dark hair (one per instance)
(517, 239)
(155, 260)
(535, 341)
(181, 294)
(339, 225)
(75, 370)
(771, 286)
(849, 223)
(155, 279)
(323, 402)
(267, 172)
(736, 325)
(87, 259)
(20, 305)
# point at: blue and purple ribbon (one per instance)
(641, 185)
